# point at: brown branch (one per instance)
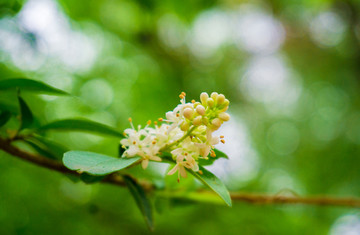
(117, 179)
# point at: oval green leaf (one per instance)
(83, 125)
(4, 117)
(25, 84)
(94, 163)
(141, 200)
(211, 160)
(210, 180)
(26, 115)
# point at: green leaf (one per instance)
(29, 85)
(9, 107)
(4, 117)
(210, 180)
(81, 125)
(90, 179)
(26, 115)
(211, 159)
(46, 147)
(41, 149)
(141, 200)
(54, 148)
(94, 163)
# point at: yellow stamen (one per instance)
(160, 119)
(193, 101)
(181, 96)
(154, 142)
(177, 115)
(200, 172)
(222, 141)
(155, 123)
(130, 119)
(134, 142)
(149, 122)
(221, 137)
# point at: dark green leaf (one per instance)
(214, 183)
(4, 117)
(9, 107)
(29, 85)
(121, 150)
(26, 115)
(211, 160)
(56, 149)
(90, 179)
(46, 147)
(141, 200)
(81, 125)
(94, 163)
(41, 149)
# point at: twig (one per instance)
(117, 179)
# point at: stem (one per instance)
(179, 140)
(117, 179)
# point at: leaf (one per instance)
(41, 150)
(9, 107)
(46, 147)
(141, 200)
(94, 163)
(26, 115)
(211, 159)
(90, 179)
(56, 149)
(210, 180)
(81, 125)
(30, 85)
(4, 117)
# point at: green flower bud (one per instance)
(200, 110)
(203, 97)
(188, 112)
(210, 102)
(197, 121)
(214, 95)
(224, 116)
(220, 99)
(184, 126)
(216, 122)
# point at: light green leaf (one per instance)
(4, 117)
(94, 163)
(141, 200)
(29, 85)
(211, 160)
(81, 125)
(26, 115)
(214, 183)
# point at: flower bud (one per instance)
(216, 122)
(224, 116)
(210, 102)
(184, 126)
(200, 110)
(203, 97)
(188, 112)
(205, 121)
(226, 102)
(220, 99)
(214, 95)
(197, 121)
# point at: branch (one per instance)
(117, 179)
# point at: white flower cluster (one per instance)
(187, 133)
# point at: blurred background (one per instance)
(291, 70)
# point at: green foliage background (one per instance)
(133, 58)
